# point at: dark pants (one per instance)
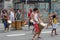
(30, 23)
(6, 25)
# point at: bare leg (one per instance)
(55, 32)
(52, 32)
(39, 34)
(34, 36)
(48, 25)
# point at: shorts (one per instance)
(54, 26)
(6, 25)
(36, 28)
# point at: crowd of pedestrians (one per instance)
(9, 16)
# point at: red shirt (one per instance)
(29, 15)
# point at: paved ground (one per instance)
(26, 35)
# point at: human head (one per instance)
(36, 10)
(18, 10)
(12, 9)
(30, 10)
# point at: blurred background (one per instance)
(45, 6)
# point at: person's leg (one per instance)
(36, 31)
(39, 34)
(53, 26)
(52, 32)
(5, 28)
(48, 25)
(34, 36)
(40, 29)
(5, 24)
(8, 27)
(55, 29)
(33, 28)
(55, 32)
(29, 25)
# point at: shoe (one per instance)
(56, 34)
(5, 31)
(33, 39)
(51, 35)
(39, 37)
(8, 30)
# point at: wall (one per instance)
(8, 4)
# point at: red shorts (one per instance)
(36, 27)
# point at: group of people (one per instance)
(36, 20)
(9, 16)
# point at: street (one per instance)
(22, 12)
(25, 34)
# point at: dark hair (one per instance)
(35, 9)
(54, 16)
(3, 12)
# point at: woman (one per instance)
(6, 17)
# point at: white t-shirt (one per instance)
(12, 16)
(36, 18)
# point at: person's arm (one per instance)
(39, 18)
(6, 17)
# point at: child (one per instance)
(54, 24)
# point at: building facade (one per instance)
(8, 4)
(1, 4)
(55, 6)
(43, 5)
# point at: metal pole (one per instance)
(26, 7)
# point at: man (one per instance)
(29, 16)
(36, 22)
(18, 15)
(50, 20)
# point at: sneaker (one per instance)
(39, 37)
(5, 31)
(56, 34)
(8, 30)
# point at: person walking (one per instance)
(35, 19)
(6, 18)
(36, 23)
(50, 20)
(54, 24)
(29, 17)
